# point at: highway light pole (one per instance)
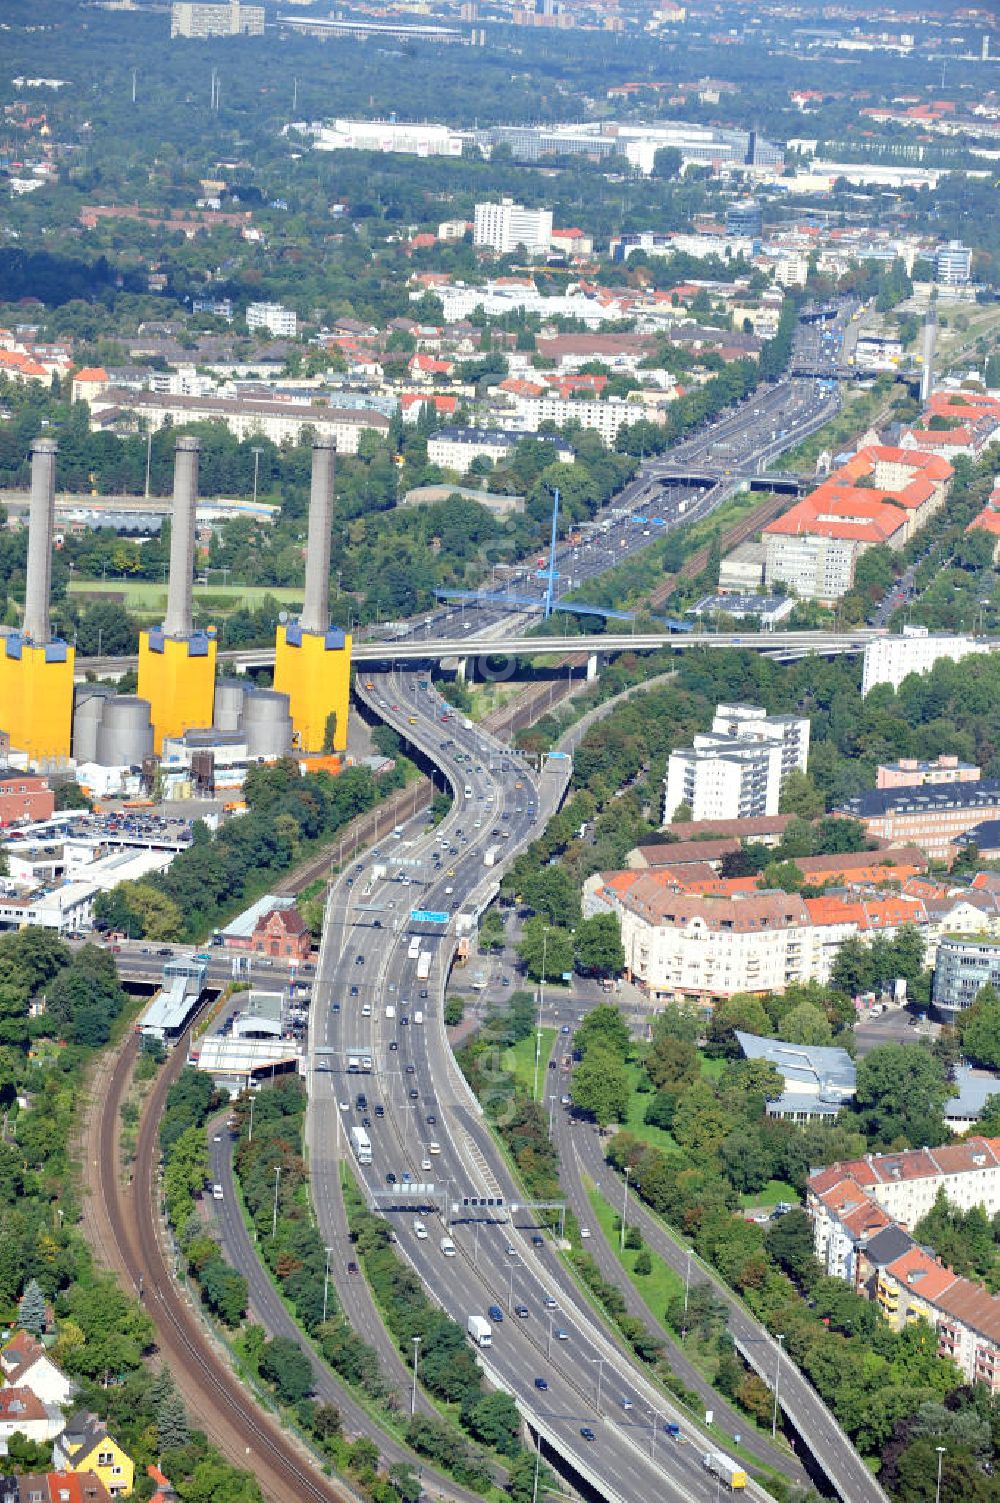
(274, 1217)
(600, 1375)
(940, 1456)
(510, 1285)
(413, 1390)
(624, 1206)
(777, 1376)
(538, 1457)
(256, 469)
(687, 1292)
(326, 1283)
(541, 1004)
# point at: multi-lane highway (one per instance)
(422, 1122)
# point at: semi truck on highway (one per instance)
(490, 855)
(414, 949)
(727, 1471)
(424, 965)
(480, 1330)
(362, 1145)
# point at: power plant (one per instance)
(312, 659)
(179, 713)
(177, 663)
(36, 669)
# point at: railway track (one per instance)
(769, 508)
(247, 1435)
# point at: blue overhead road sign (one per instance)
(424, 916)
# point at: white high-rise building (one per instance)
(191, 18)
(506, 225)
(279, 321)
(888, 660)
(739, 769)
(953, 264)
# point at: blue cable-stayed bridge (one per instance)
(535, 603)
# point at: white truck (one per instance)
(424, 965)
(480, 1330)
(727, 1470)
(362, 1145)
(414, 948)
(490, 856)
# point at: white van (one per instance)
(418, 1016)
(366, 1011)
(390, 1011)
(420, 1231)
(217, 1192)
(447, 1247)
(434, 1148)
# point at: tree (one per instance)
(171, 1422)
(605, 1027)
(701, 1122)
(545, 950)
(643, 1261)
(31, 1308)
(899, 1092)
(284, 1364)
(789, 1240)
(598, 946)
(494, 1420)
(805, 1024)
(671, 1063)
(601, 1085)
(979, 1028)
(799, 795)
(521, 1479)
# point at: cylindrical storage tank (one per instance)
(86, 719)
(267, 723)
(125, 735)
(229, 695)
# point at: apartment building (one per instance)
(605, 417)
(931, 817)
(953, 264)
(278, 421)
(963, 964)
(456, 448)
(505, 226)
(863, 1213)
(738, 770)
(192, 18)
(888, 660)
(910, 772)
(278, 321)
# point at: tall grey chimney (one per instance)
(40, 523)
(316, 606)
(180, 592)
(930, 340)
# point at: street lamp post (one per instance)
(274, 1216)
(510, 1286)
(600, 1375)
(625, 1206)
(552, 1109)
(541, 1004)
(256, 468)
(940, 1456)
(687, 1292)
(777, 1377)
(326, 1282)
(413, 1390)
(149, 457)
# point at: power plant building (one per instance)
(36, 668)
(312, 659)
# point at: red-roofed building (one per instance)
(572, 242)
(427, 368)
(92, 381)
(412, 403)
(281, 934)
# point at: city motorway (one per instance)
(432, 1130)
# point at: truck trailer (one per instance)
(480, 1330)
(727, 1470)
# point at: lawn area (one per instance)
(711, 1069)
(657, 1287)
(150, 595)
(520, 1061)
(637, 1104)
(773, 1191)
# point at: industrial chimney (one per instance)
(180, 593)
(316, 606)
(40, 525)
(930, 340)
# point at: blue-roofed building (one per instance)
(819, 1079)
(973, 1090)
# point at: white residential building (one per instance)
(606, 418)
(280, 322)
(504, 226)
(192, 18)
(496, 299)
(456, 448)
(277, 421)
(738, 770)
(888, 660)
(953, 264)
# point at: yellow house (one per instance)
(86, 1446)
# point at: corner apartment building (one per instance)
(279, 321)
(931, 817)
(888, 660)
(863, 1213)
(192, 18)
(881, 496)
(456, 448)
(963, 964)
(738, 770)
(910, 772)
(504, 226)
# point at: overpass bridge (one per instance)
(494, 643)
